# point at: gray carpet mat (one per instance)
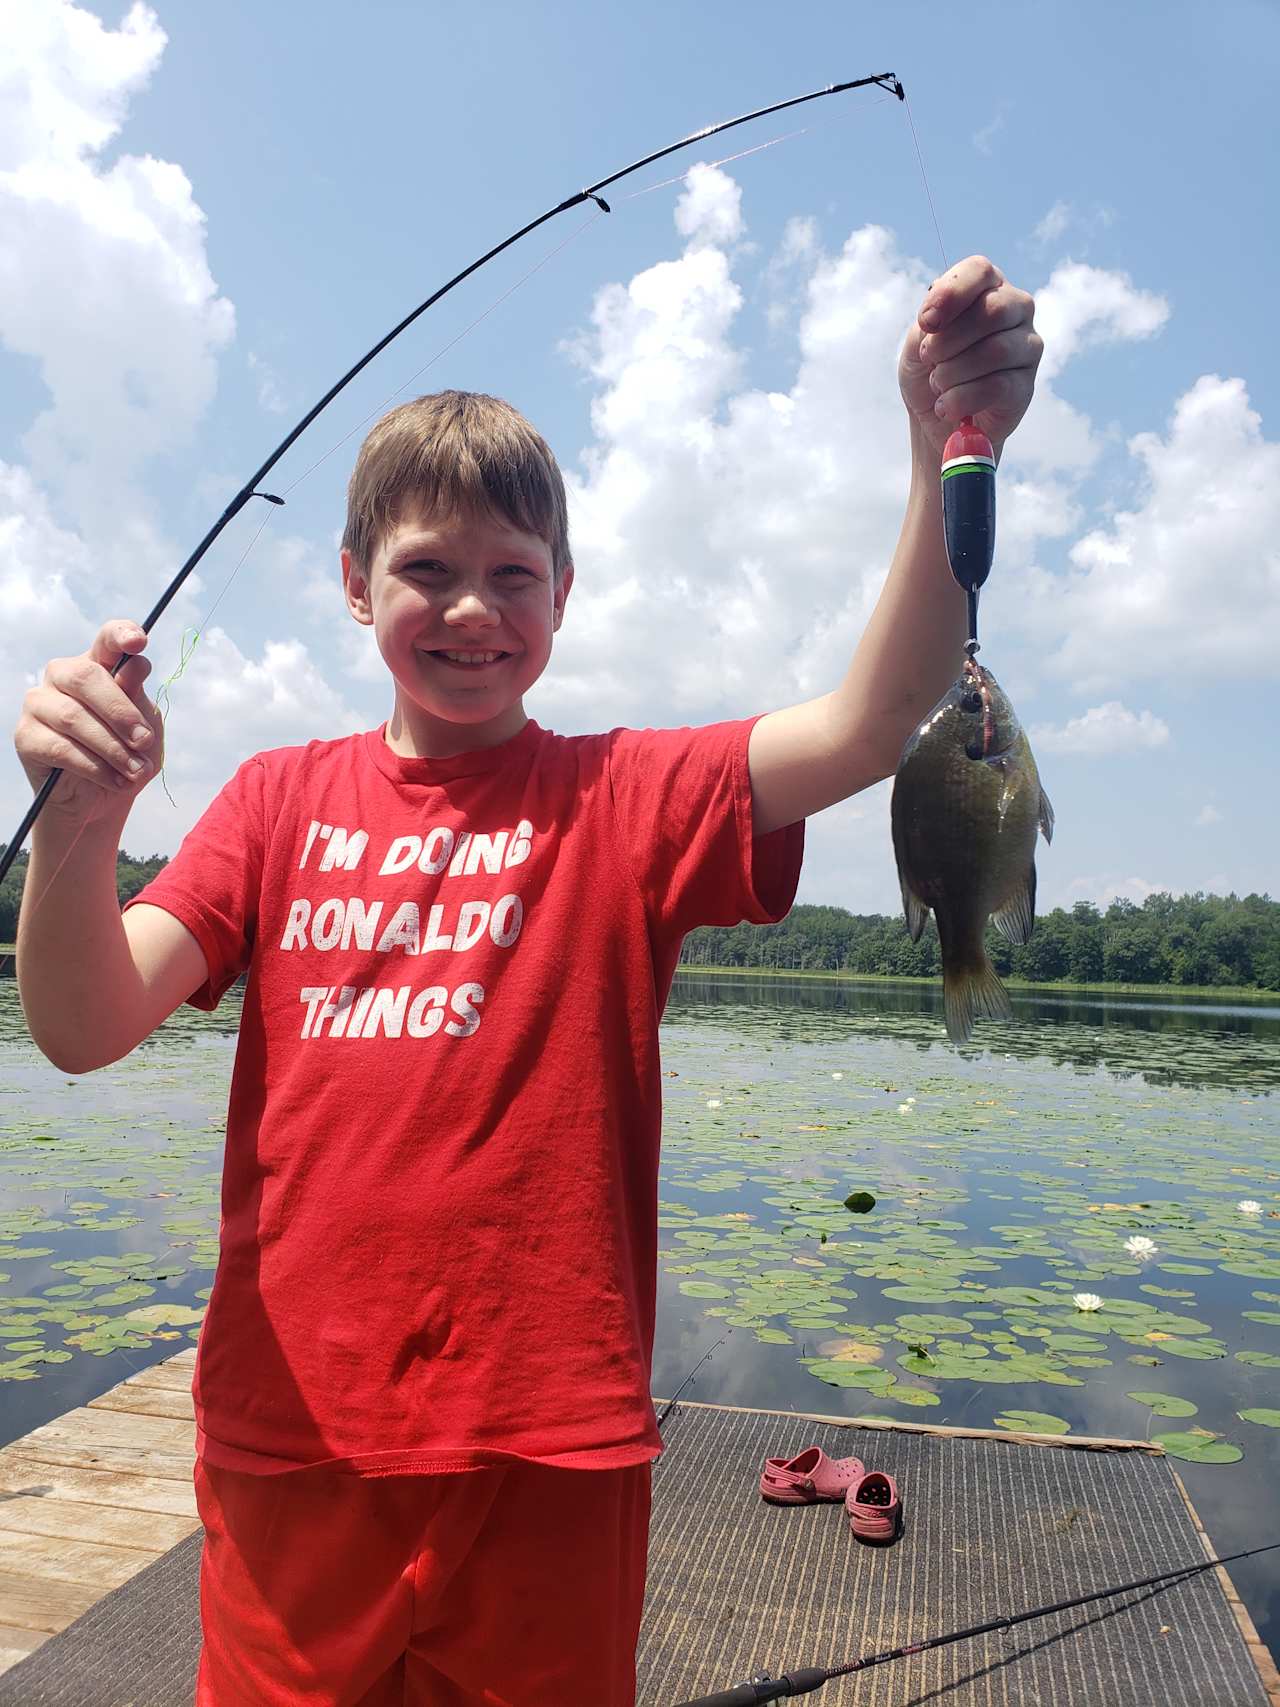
(992, 1527)
(737, 1587)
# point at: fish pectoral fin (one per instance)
(915, 909)
(1046, 820)
(1016, 919)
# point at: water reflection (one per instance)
(1174, 1042)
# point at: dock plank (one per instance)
(41, 1514)
(57, 1558)
(96, 1485)
(119, 1460)
(163, 1375)
(99, 1427)
(90, 1499)
(40, 1604)
(16, 1644)
(148, 1401)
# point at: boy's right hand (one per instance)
(93, 727)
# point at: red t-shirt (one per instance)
(439, 1199)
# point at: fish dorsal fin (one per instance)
(915, 909)
(1046, 816)
(1018, 915)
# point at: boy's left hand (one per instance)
(972, 351)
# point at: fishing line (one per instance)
(758, 148)
(924, 177)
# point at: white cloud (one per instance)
(39, 561)
(709, 208)
(982, 139)
(104, 280)
(1082, 307)
(731, 541)
(1189, 578)
(1054, 223)
(1103, 729)
(1208, 814)
(1078, 308)
(1103, 890)
(270, 396)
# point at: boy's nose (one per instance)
(469, 610)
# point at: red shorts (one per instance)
(513, 1587)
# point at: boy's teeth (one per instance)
(473, 657)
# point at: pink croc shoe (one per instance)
(809, 1478)
(874, 1508)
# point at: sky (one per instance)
(207, 214)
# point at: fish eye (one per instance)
(974, 750)
(971, 702)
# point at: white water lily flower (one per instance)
(837, 1075)
(1247, 1206)
(904, 1108)
(713, 1102)
(1086, 1300)
(1140, 1247)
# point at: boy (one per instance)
(424, 1431)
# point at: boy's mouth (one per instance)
(467, 658)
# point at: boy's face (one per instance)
(464, 609)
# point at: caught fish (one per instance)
(967, 802)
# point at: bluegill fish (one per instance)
(967, 802)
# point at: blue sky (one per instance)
(207, 213)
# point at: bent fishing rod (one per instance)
(808, 1678)
(885, 80)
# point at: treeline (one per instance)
(1187, 940)
(132, 874)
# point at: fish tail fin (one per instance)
(971, 992)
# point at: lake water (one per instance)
(1007, 1179)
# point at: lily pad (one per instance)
(1033, 1422)
(1198, 1446)
(1264, 1418)
(860, 1202)
(1165, 1404)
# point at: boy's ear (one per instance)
(355, 585)
(561, 594)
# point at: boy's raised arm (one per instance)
(93, 984)
(973, 351)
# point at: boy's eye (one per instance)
(514, 569)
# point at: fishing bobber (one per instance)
(969, 504)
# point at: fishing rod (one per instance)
(808, 1678)
(666, 1409)
(885, 80)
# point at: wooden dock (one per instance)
(994, 1522)
(91, 1499)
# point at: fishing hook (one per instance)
(883, 80)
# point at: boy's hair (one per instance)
(456, 453)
